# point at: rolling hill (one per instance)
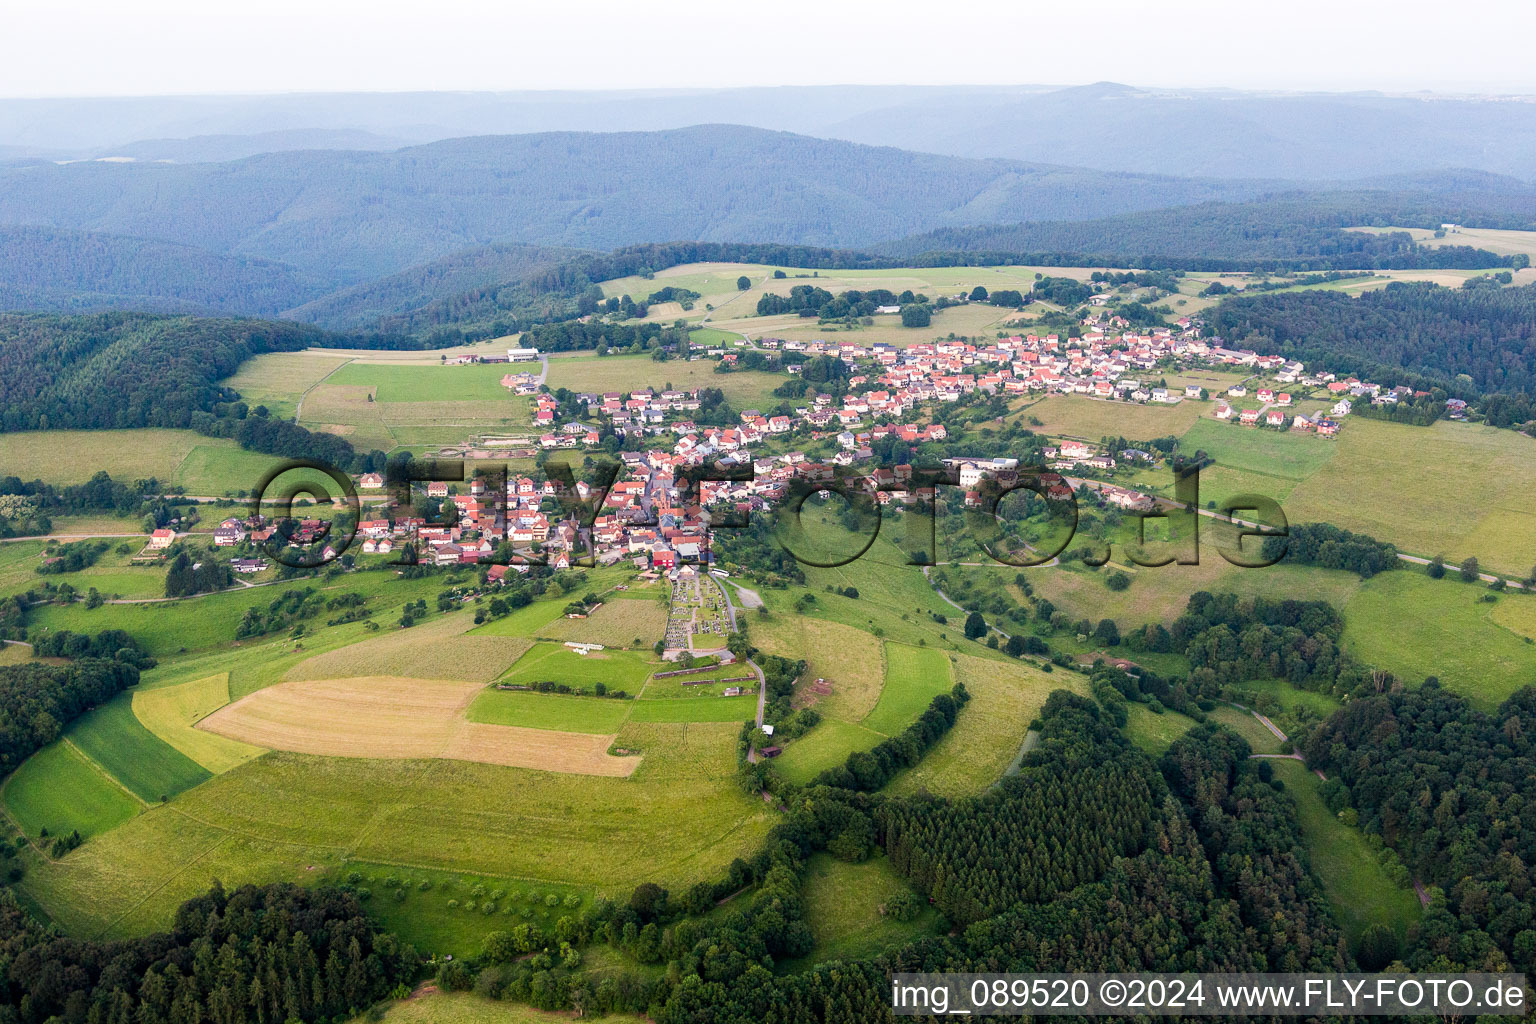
(350, 216)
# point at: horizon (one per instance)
(187, 49)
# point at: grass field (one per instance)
(296, 816)
(1249, 728)
(1090, 419)
(1415, 626)
(417, 383)
(600, 715)
(146, 765)
(1356, 883)
(1155, 733)
(170, 712)
(74, 456)
(745, 390)
(1161, 593)
(59, 790)
(618, 623)
(552, 662)
(844, 902)
(913, 677)
(850, 660)
(391, 717)
(464, 1008)
(1453, 488)
(825, 746)
(278, 379)
(985, 740)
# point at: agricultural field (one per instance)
(1502, 242)
(171, 712)
(290, 815)
(745, 389)
(391, 717)
(850, 661)
(1358, 887)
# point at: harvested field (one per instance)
(393, 717)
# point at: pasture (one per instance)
(1005, 697)
(390, 717)
(913, 677)
(745, 389)
(1152, 732)
(58, 790)
(556, 663)
(170, 712)
(1353, 878)
(394, 382)
(617, 623)
(844, 903)
(288, 815)
(140, 761)
(1415, 626)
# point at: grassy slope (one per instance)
(1357, 886)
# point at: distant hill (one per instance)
(1218, 132)
(1281, 229)
(50, 269)
(349, 216)
(214, 148)
(1106, 126)
(396, 295)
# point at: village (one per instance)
(648, 516)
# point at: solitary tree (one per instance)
(1469, 571)
(975, 626)
(743, 283)
(1436, 567)
(915, 315)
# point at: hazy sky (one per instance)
(89, 47)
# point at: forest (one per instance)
(37, 700)
(1470, 341)
(1448, 787)
(258, 954)
(1285, 231)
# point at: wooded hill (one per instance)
(1296, 231)
(1472, 340)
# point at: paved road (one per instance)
(762, 681)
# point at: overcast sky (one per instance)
(143, 47)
